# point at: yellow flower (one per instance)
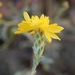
(1, 4)
(35, 23)
(1, 15)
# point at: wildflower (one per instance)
(35, 23)
(1, 15)
(1, 4)
(66, 4)
(41, 28)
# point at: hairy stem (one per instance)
(38, 49)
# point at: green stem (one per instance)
(38, 49)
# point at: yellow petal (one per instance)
(54, 36)
(23, 25)
(32, 32)
(36, 17)
(32, 17)
(46, 21)
(24, 28)
(19, 31)
(26, 16)
(42, 16)
(48, 36)
(55, 28)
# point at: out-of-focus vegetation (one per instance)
(16, 50)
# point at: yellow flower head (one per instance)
(35, 23)
(1, 4)
(1, 15)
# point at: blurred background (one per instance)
(16, 50)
